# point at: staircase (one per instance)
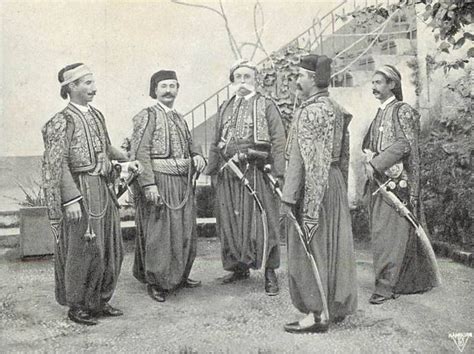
(352, 49)
(356, 52)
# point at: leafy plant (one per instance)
(34, 195)
(446, 170)
(278, 80)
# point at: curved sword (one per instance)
(306, 244)
(231, 164)
(407, 214)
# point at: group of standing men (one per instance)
(248, 158)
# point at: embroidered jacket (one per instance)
(393, 137)
(73, 143)
(248, 123)
(318, 137)
(159, 135)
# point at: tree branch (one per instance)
(179, 2)
(258, 34)
(233, 42)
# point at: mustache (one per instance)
(245, 86)
(168, 95)
(375, 91)
(298, 86)
(93, 93)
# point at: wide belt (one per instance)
(176, 167)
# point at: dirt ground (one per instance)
(237, 318)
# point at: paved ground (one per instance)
(236, 318)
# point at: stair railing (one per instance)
(312, 38)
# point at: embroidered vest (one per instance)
(85, 143)
(169, 140)
(261, 134)
(384, 131)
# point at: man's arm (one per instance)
(214, 157)
(345, 148)
(277, 136)
(294, 175)
(143, 128)
(195, 151)
(395, 152)
(69, 191)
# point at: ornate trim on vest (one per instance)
(160, 147)
(81, 151)
(55, 143)
(388, 126)
(82, 154)
(261, 134)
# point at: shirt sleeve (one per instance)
(294, 175)
(277, 136)
(143, 128)
(214, 154)
(400, 148)
(69, 190)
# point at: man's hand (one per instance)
(199, 162)
(369, 171)
(152, 195)
(280, 181)
(73, 212)
(135, 166)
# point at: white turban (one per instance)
(241, 63)
(391, 73)
(74, 74)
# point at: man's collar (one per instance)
(314, 97)
(165, 107)
(247, 96)
(385, 103)
(83, 109)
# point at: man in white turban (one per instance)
(401, 265)
(77, 171)
(247, 122)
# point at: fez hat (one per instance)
(320, 65)
(160, 76)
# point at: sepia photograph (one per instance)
(236, 176)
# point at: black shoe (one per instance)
(189, 283)
(82, 317)
(318, 327)
(339, 319)
(377, 299)
(156, 294)
(109, 311)
(235, 276)
(271, 282)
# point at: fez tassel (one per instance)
(235, 169)
(304, 240)
(407, 214)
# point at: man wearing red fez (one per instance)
(165, 208)
(401, 262)
(315, 192)
(85, 221)
(247, 122)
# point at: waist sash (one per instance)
(176, 167)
